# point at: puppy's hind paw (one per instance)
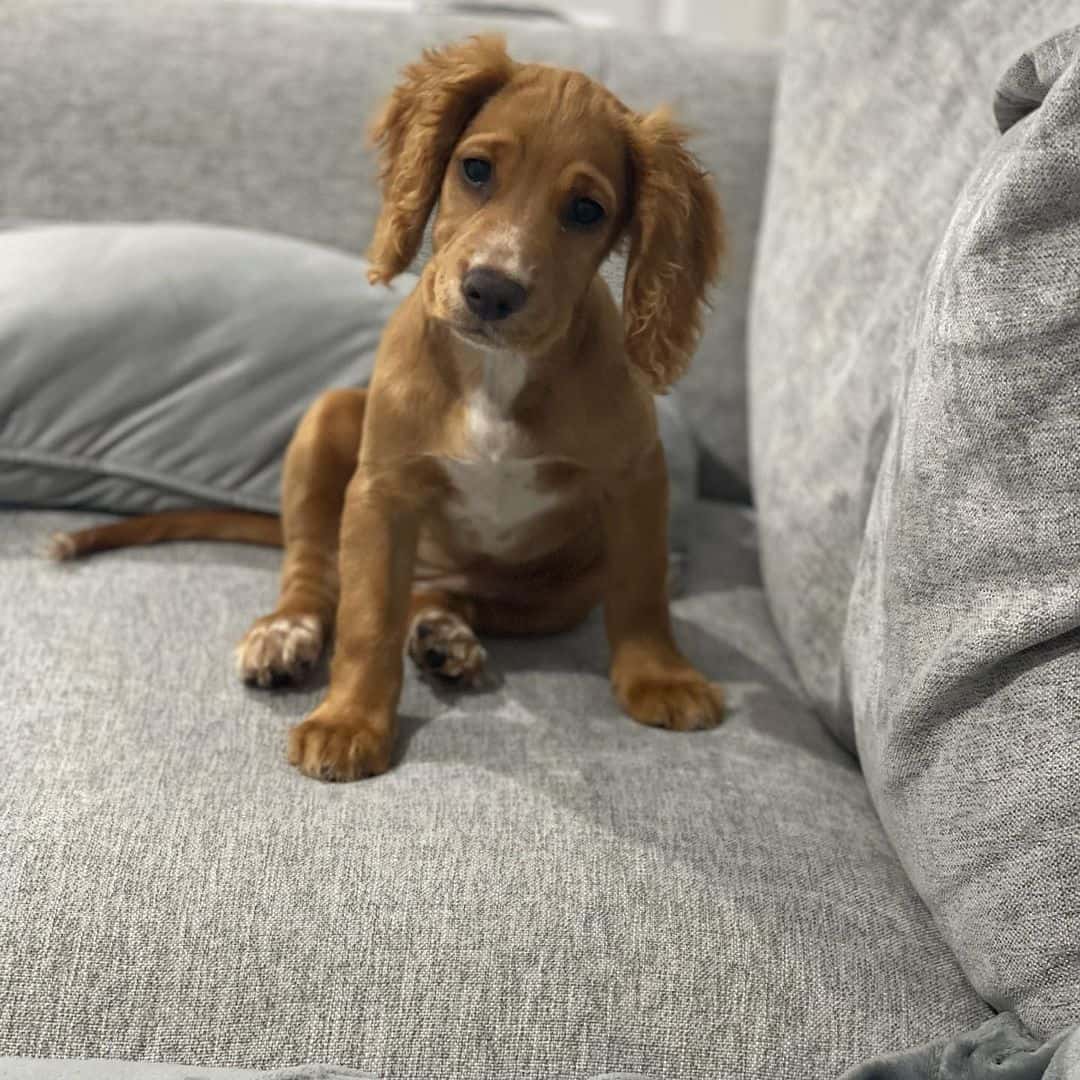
(280, 650)
(442, 644)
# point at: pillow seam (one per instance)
(21, 455)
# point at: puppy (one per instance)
(502, 474)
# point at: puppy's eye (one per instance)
(584, 212)
(477, 171)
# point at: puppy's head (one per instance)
(538, 173)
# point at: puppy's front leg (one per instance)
(652, 680)
(351, 734)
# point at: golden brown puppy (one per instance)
(502, 473)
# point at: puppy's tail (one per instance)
(239, 526)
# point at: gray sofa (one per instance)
(540, 888)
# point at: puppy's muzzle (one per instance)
(491, 295)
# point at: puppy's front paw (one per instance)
(443, 644)
(330, 745)
(679, 700)
(279, 649)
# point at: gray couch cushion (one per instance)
(962, 647)
(1066, 1063)
(156, 366)
(253, 115)
(885, 106)
(539, 887)
(12, 1068)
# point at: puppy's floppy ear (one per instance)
(416, 132)
(676, 233)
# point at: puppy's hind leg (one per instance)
(282, 647)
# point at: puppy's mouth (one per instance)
(475, 332)
(497, 337)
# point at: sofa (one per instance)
(877, 850)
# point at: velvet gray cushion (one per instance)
(999, 1049)
(540, 887)
(962, 646)
(253, 115)
(155, 366)
(884, 109)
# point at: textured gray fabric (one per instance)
(962, 642)
(1023, 87)
(539, 887)
(999, 1049)
(104, 1069)
(884, 107)
(149, 367)
(1066, 1063)
(254, 115)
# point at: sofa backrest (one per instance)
(883, 109)
(255, 115)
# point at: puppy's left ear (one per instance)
(676, 233)
(416, 133)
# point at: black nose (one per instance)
(491, 296)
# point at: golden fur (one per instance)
(548, 411)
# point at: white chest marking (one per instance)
(495, 492)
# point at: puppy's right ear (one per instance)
(416, 132)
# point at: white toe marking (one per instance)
(282, 644)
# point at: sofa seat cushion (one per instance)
(13, 1068)
(539, 887)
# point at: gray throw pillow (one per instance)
(148, 367)
(963, 647)
(151, 367)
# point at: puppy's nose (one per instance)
(491, 295)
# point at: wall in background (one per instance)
(743, 20)
(736, 20)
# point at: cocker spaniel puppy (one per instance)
(502, 473)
